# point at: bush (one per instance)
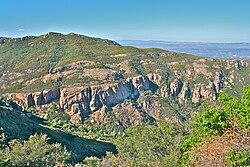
(238, 157)
(57, 117)
(153, 145)
(91, 161)
(234, 115)
(34, 152)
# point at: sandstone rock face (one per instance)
(100, 116)
(36, 98)
(155, 78)
(204, 92)
(141, 83)
(30, 100)
(152, 108)
(175, 87)
(196, 94)
(79, 102)
(197, 82)
(218, 81)
(210, 91)
(185, 91)
(50, 95)
(93, 98)
(125, 114)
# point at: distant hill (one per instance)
(235, 51)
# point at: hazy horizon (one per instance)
(117, 40)
(236, 51)
(167, 20)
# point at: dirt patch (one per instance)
(212, 153)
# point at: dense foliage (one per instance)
(18, 125)
(36, 151)
(239, 157)
(232, 116)
(168, 144)
(159, 144)
(151, 145)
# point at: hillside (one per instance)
(16, 124)
(83, 91)
(84, 74)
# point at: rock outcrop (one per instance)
(185, 91)
(36, 98)
(175, 87)
(218, 81)
(204, 92)
(79, 102)
(155, 78)
(125, 114)
(93, 98)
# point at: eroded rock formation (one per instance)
(80, 102)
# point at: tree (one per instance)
(151, 145)
(34, 152)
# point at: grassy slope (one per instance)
(54, 50)
(34, 57)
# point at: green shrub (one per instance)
(233, 114)
(34, 152)
(152, 145)
(239, 157)
(91, 161)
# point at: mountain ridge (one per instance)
(93, 71)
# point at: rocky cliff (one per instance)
(80, 102)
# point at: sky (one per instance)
(168, 20)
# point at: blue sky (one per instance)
(171, 20)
